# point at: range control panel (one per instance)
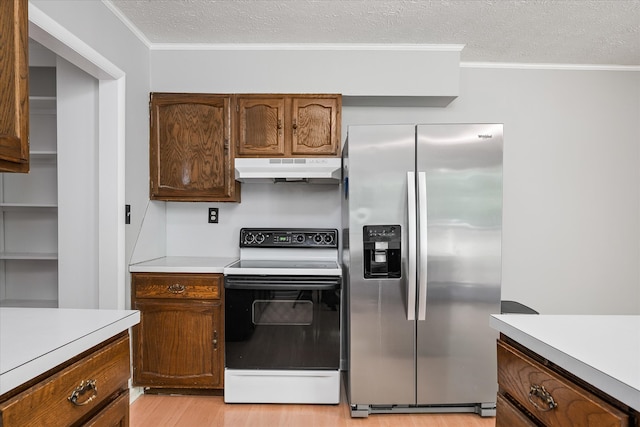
(288, 238)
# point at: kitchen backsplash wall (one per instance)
(263, 205)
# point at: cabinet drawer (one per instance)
(535, 387)
(508, 415)
(178, 286)
(115, 414)
(48, 402)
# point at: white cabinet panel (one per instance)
(31, 231)
(38, 187)
(36, 283)
(42, 127)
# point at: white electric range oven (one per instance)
(282, 318)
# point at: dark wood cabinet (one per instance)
(14, 86)
(90, 389)
(535, 392)
(179, 342)
(288, 125)
(116, 414)
(261, 126)
(194, 138)
(191, 155)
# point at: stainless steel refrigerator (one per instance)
(422, 221)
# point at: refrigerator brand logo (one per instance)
(485, 136)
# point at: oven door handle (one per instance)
(261, 284)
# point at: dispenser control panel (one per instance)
(382, 251)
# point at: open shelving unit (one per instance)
(29, 207)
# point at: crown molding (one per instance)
(135, 30)
(310, 46)
(542, 66)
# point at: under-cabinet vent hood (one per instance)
(319, 170)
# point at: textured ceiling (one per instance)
(604, 32)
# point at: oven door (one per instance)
(282, 322)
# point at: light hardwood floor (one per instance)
(211, 411)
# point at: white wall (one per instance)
(354, 70)
(77, 204)
(571, 237)
(571, 220)
(263, 205)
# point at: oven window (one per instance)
(282, 329)
(282, 312)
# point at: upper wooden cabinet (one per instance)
(288, 125)
(260, 126)
(191, 157)
(14, 86)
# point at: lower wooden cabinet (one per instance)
(535, 392)
(507, 414)
(91, 390)
(115, 414)
(179, 342)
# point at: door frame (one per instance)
(111, 147)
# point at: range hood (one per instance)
(312, 170)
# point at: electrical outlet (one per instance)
(213, 215)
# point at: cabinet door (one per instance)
(178, 344)
(14, 86)
(191, 155)
(261, 126)
(315, 126)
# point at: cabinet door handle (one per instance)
(541, 393)
(176, 288)
(279, 123)
(84, 387)
(215, 340)
(295, 125)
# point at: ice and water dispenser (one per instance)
(381, 251)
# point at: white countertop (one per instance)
(34, 340)
(602, 350)
(182, 264)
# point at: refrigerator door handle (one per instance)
(412, 232)
(422, 264)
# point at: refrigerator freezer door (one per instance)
(456, 356)
(380, 338)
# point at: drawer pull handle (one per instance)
(176, 288)
(541, 393)
(84, 387)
